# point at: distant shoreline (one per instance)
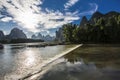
(16, 41)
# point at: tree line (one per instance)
(104, 30)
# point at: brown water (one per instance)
(98, 62)
(17, 61)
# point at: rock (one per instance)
(40, 36)
(48, 38)
(112, 13)
(95, 17)
(17, 34)
(33, 36)
(45, 38)
(83, 21)
(2, 36)
(59, 35)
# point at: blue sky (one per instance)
(46, 16)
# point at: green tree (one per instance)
(68, 30)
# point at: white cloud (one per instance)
(6, 19)
(29, 15)
(70, 3)
(93, 9)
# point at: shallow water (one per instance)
(17, 61)
(87, 63)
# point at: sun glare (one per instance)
(28, 19)
(30, 58)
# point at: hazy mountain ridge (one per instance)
(59, 35)
(14, 34)
(42, 37)
(96, 16)
(17, 34)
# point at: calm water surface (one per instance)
(87, 63)
(17, 61)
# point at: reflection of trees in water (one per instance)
(101, 56)
(87, 63)
(71, 57)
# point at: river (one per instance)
(89, 62)
(18, 61)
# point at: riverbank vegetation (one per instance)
(103, 29)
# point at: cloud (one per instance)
(1, 15)
(29, 15)
(6, 19)
(70, 3)
(93, 9)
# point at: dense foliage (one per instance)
(104, 30)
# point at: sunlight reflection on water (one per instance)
(30, 57)
(18, 62)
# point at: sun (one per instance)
(29, 19)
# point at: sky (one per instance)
(47, 16)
